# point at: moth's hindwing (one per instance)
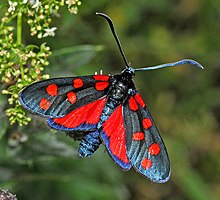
(84, 118)
(113, 136)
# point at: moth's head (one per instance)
(128, 72)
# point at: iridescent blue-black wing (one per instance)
(145, 148)
(59, 96)
(70, 103)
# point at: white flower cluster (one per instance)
(49, 32)
(35, 4)
(12, 6)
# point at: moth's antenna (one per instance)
(115, 35)
(174, 64)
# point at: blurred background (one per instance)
(38, 163)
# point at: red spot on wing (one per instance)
(140, 100)
(115, 130)
(146, 164)
(77, 83)
(132, 104)
(154, 149)
(138, 136)
(101, 77)
(71, 96)
(44, 104)
(147, 123)
(101, 85)
(52, 89)
(89, 114)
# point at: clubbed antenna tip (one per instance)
(174, 64)
(110, 22)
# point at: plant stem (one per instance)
(19, 38)
(22, 70)
(19, 28)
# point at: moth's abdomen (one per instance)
(89, 144)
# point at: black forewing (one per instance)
(154, 167)
(31, 96)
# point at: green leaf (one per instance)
(66, 59)
(3, 125)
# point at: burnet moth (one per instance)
(108, 110)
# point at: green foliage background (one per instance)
(185, 103)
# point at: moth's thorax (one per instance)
(119, 91)
(120, 87)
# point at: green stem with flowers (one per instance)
(19, 28)
(22, 64)
(19, 38)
